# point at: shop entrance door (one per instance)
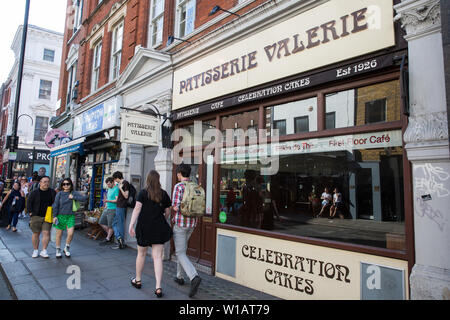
(201, 244)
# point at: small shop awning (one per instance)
(72, 146)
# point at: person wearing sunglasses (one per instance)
(64, 216)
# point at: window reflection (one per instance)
(353, 196)
(293, 117)
(371, 104)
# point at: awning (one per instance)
(72, 146)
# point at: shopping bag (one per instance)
(48, 215)
(75, 206)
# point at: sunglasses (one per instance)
(65, 184)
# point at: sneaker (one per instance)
(44, 254)
(179, 281)
(194, 286)
(35, 254)
(58, 253)
(121, 243)
(67, 252)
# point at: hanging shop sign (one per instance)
(383, 139)
(70, 147)
(56, 137)
(98, 118)
(300, 271)
(139, 129)
(303, 81)
(332, 32)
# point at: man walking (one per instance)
(38, 202)
(182, 231)
(121, 209)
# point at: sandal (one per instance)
(14, 229)
(158, 292)
(8, 227)
(135, 283)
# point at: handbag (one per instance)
(48, 215)
(75, 206)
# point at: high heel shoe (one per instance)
(135, 283)
(158, 292)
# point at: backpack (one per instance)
(34, 186)
(131, 201)
(193, 203)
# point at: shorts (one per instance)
(65, 221)
(107, 217)
(325, 203)
(37, 224)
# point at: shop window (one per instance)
(280, 125)
(363, 174)
(41, 128)
(196, 134)
(376, 111)
(45, 89)
(244, 124)
(300, 116)
(330, 120)
(370, 104)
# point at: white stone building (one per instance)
(39, 94)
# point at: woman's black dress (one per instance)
(152, 227)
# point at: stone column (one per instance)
(427, 146)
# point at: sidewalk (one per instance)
(105, 273)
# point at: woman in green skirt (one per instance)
(64, 216)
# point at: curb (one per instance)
(8, 284)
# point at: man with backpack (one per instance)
(188, 202)
(127, 195)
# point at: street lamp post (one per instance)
(14, 142)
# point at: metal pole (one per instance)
(19, 83)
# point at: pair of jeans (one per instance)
(119, 223)
(181, 237)
(13, 218)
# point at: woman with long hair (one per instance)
(15, 203)
(63, 215)
(151, 211)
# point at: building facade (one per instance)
(37, 102)
(280, 105)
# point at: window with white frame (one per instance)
(78, 6)
(71, 80)
(49, 55)
(96, 65)
(156, 22)
(45, 89)
(41, 128)
(185, 17)
(116, 50)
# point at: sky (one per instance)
(48, 14)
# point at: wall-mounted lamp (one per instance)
(172, 38)
(217, 8)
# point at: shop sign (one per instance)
(383, 139)
(101, 117)
(332, 32)
(56, 137)
(301, 82)
(139, 129)
(41, 156)
(299, 271)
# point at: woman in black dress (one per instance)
(151, 210)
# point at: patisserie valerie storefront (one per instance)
(312, 106)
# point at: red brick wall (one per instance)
(135, 33)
